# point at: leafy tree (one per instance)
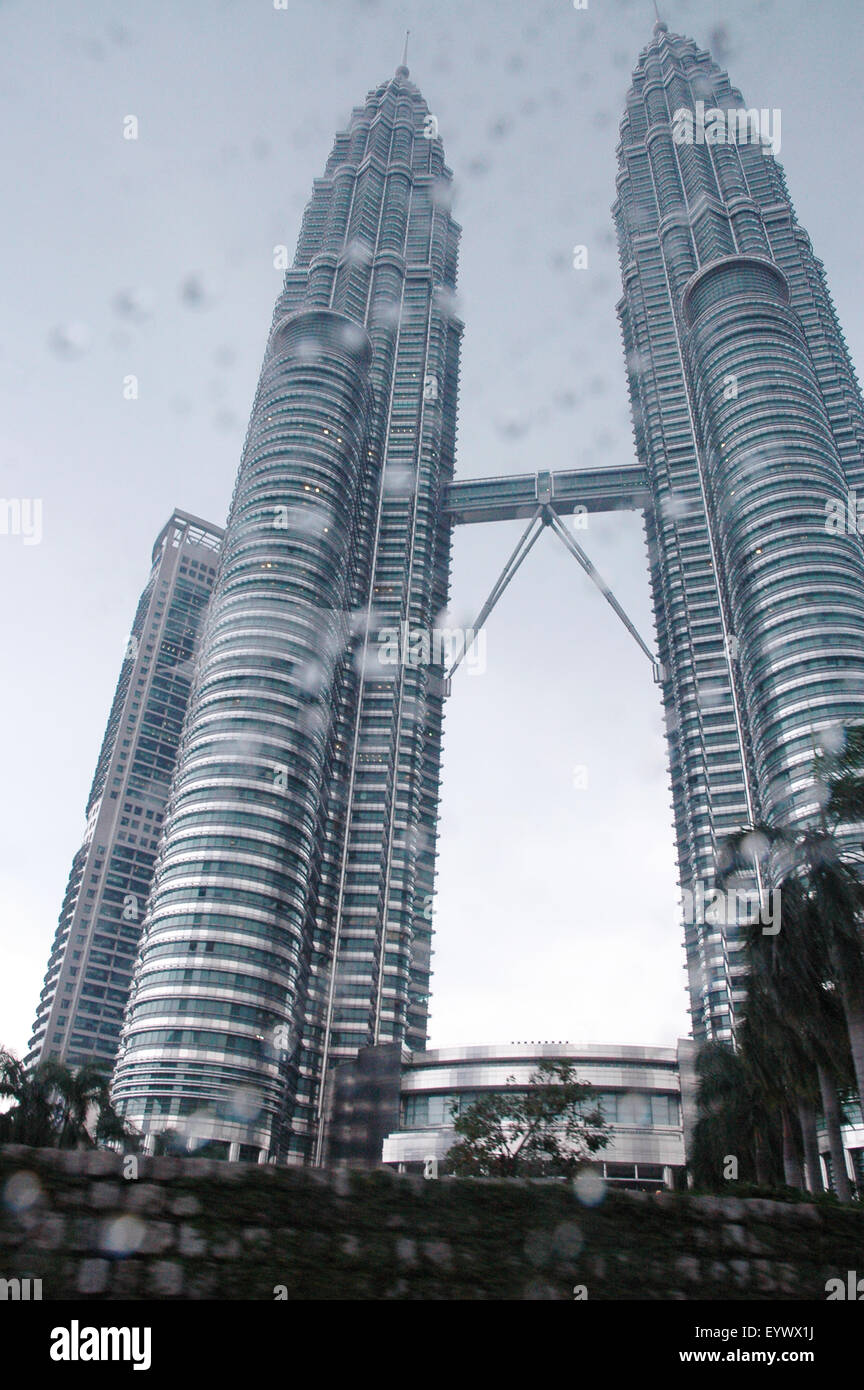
(170, 1142)
(548, 1129)
(54, 1106)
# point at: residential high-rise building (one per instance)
(289, 923)
(750, 429)
(90, 968)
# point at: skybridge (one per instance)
(544, 497)
(505, 499)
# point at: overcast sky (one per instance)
(555, 913)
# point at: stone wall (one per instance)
(186, 1228)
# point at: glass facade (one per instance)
(748, 421)
(290, 919)
(89, 973)
(641, 1109)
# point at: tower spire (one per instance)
(660, 26)
(402, 69)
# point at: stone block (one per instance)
(688, 1267)
(707, 1208)
(72, 1198)
(184, 1204)
(166, 1278)
(71, 1161)
(765, 1277)
(225, 1247)
(732, 1208)
(734, 1237)
(787, 1277)
(438, 1251)
(83, 1233)
(144, 1197)
(341, 1182)
(761, 1209)
(567, 1242)
(99, 1163)
(741, 1272)
(127, 1278)
(167, 1168)
(93, 1276)
(106, 1194)
(802, 1214)
(256, 1238)
(50, 1234)
(202, 1283)
(190, 1242)
(158, 1238)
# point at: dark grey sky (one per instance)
(154, 257)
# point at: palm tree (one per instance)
(736, 1119)
(799, 978)
(817, 1036)
(57, 1107)
(842, 771)
(837, 896)
(833, 1127)
(31, 1119)
(763, 1042)
(820, 888)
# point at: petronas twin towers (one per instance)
(288, 922)
(748, 419)
(298, 854)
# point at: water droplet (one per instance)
(589, 1187)
(123, 1236)
(134, 304)
(70, 340)
(22, 1191)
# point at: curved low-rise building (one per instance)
(637, 1088)
(398, 1108)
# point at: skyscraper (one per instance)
(750, 428)
(289, 923)
(90, 968)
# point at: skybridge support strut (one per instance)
(552, 519)
(535, 525)
(543, 517)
